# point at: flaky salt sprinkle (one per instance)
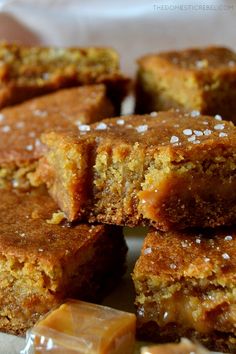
(29, 147)
(206, 259)
(198, 240)
(142, 128)
(198, 132)
(187, 131)
(120, 122)
(174, 139)
(6, 129)
(37, 142)
(84, 128)
(207, 132)
(196, 142)
(192, 138)
(173, 266)
(147, 250)
(2, 117)
(184, 244)
(101, 126)
(153, 114)
(195, 114)
(222, 134)
(219, 126)
(218, 117)
(228, 238)
(225, 256)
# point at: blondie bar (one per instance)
(26, 72)
(42, 261)
(22, 125)
(201, 79)
(186, 286)
(170, 169)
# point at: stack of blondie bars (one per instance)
(171, 170)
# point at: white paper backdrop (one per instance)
(133, 27)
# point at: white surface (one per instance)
(132, 27)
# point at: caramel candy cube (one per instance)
(85, 328)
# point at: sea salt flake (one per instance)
(228, 238)
(201, 63)
(6, 129)
(84, 128)
(198, 240)
(192, 138)
(207, 132)
(37, 142)
(184, 244)
(222, 134)
(147, 250)
(206, 259)
(218, 117)
(142, 128)
(225, 256)
(198, 132)
(187, 131)
(174, 139)
(153, 114)
(15, 183)
(195, 113)
(165, 315)
(120, 122)
(2, 117)
(101, 126)
(196, 142)
(219, 126)
(29, 147)
(173, 266)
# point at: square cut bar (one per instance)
(170, 170)
(26, 72)
(186, 286)
(42, 261)
(22, 125)
(83, 328)
(201, 79)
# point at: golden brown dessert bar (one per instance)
(186, 286)
(201, 79)
(43, 262)
(26, 72)
(171, 170)
(184, 347)
(22, 125)
(83, 328)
